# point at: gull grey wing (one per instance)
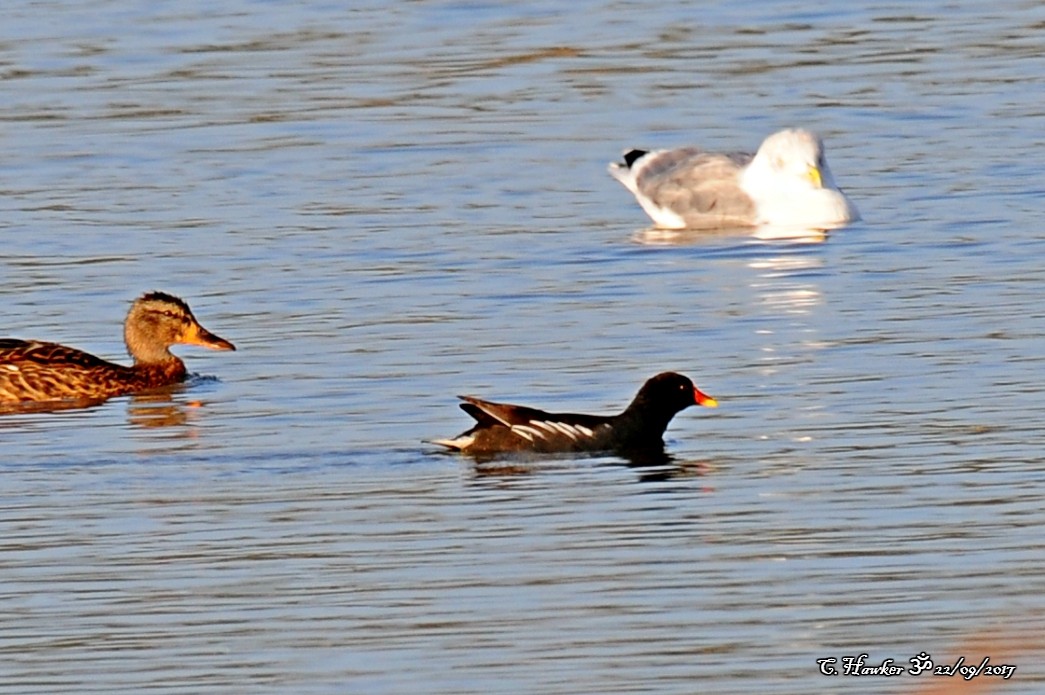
(694, 184)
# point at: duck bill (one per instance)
(704, 399)
(204, 338)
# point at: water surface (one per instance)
(385, 206)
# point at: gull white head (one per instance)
(792, 184)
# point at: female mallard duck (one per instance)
(33, 371)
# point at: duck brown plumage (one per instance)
(35, 371)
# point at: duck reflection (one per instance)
(32, 407)
(651, 470)
(651, 465)
(159, 409)
(155, 409)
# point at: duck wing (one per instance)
(32, 370)
(505, 426)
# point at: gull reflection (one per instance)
(654, 236)
(781, 279)
(781, 282)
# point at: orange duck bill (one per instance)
(198, 335)
(704, 399)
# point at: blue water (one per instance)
(386, 206)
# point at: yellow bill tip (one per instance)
(704, 399)
(813, 173)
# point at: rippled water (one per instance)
(386, 206)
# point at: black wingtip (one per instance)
(475, 411)
(631, 156)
